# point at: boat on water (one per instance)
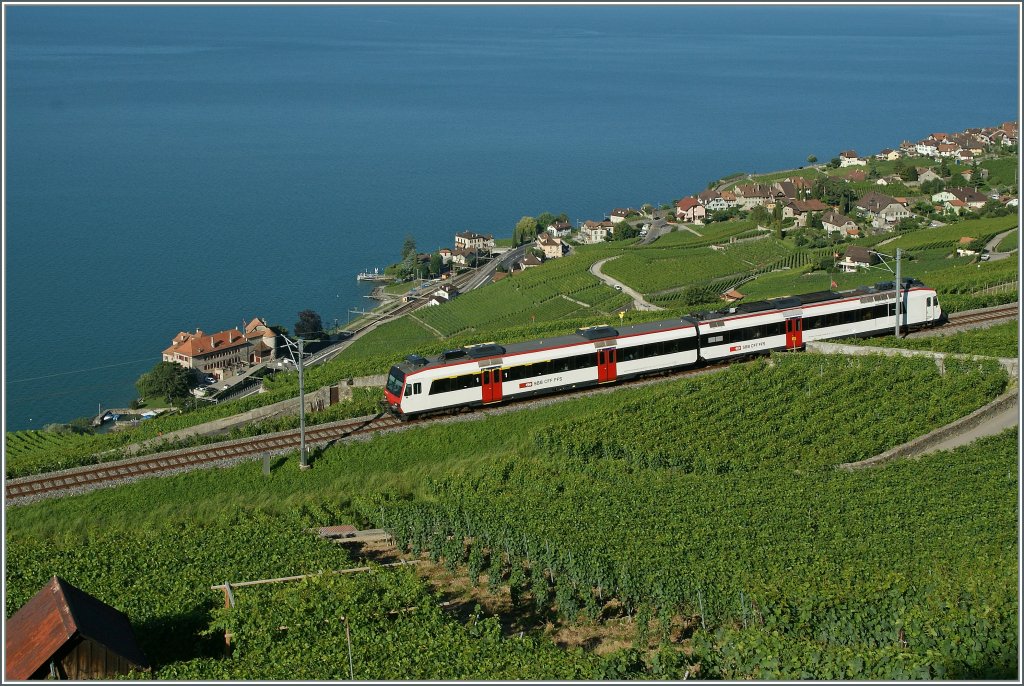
(376, 275)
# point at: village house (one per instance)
(468, 239)
(527, 262)
(969, 196)
(595, 232)
(560, 229)
(927, 174)
(964, 156)
(929, 147)
(752, 195)
(442, 295)
(785, 190)
(833, 222)
(954, 205)
(619, 214)
(714, 201)
(468, 257)
(690, 211)
(446, 255)
(263, 340)
(218, 355)
(947, 149)
(848, 158)
(883, 210)
(857, 257)
(551, 246)
(801, 210)
(855, 176)
(889, 154)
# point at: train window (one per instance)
(440, 386)
(408, 390)
(629, 354)
(715, 339)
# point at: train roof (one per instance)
(584, 335)
(791, 302)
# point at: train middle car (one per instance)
(490, 373)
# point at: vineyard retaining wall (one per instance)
(924, 444)
(1010, 365)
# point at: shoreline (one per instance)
(383, 300)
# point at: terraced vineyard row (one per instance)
(737, 520)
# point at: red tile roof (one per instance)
(687, 204)
(201, 344)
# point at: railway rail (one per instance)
(990, 314)
(80, 479)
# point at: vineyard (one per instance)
(705, 512)
(710, 233)
(650, 271)
(999, 340)
(540, 294)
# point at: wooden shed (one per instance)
(66, 633)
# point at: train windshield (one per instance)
(395, 381)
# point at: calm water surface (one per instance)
(170, 168)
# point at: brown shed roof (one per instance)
(54, 616)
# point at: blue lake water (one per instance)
(169, 168)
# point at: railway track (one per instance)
(82, 479)
(978, 316)
(105, 474)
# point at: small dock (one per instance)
(115, 413)
(375, 275)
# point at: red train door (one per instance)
(490, 380)
(606, 359)
(794, 333)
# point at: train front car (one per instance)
(393, 390)
(920, 307)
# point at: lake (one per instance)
(180, 167)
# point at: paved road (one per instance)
(638, 300)
(992, 244)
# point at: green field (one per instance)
(1002, 171)
(1010, 242)
(725, 536)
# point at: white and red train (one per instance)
(489, 373)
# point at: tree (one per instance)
(436, 263)
(525, 231)
(408, 247)
(166, 380)
(760, 215)
(309, 325)
(811, 159)
(957, 180)
(544, 220)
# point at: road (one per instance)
(994, 243)
(638, 300)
